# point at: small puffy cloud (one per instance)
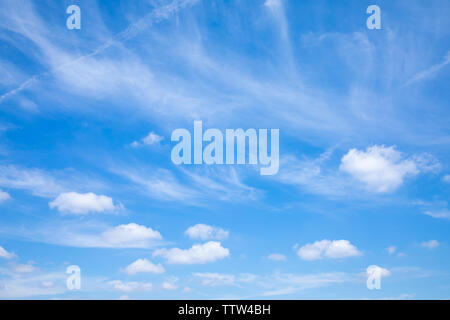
(383, 169)
(206, 232)
(446, 178)
(430, 244)
(130, 286)
(143, 265)
(82, 203)
(4, 196)
(276, 257)
(5, 254)
(169, 286)
(198, 254)
(328, 249)
(130, 235)
(151, 139)
(442, 214)
(391, 250)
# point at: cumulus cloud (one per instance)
(130, 286)
(383, 169)
(4, 196)
(198, 254)
(143, 265)
(130, 235)
(276, 257)
(328, 249)
(82, 203)
(5, 254)
(430, 244)
(206, 232)
(151, 139)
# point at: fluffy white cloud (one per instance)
(328, 249)
(150, 139)
(206, 232)
(130, 235)
(383, 169)
(197, 254)
(430, 244)
(131, 286)
(143, 265)
(4, 196)
(5, 254)
(276, 257)
(82, 203)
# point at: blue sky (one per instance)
(86, 177)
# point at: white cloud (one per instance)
(4, 196)
(37, 181)
(446, 178)
(23, 268)
(89, 235)
(169, 286)
(272, 3)
(428, 73)
(391, 249)
(431, 244)
(82, 203)
(143, 265)
(151, 139)
(328, 249)
(383, 169)
(130, 286)
(5, 254)
(219, 279)
(206, 232)
(442, 214)
(130, 235)
(32, 284)
(276, 257)
(197, 254)
(288, 283)
(215, 279)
